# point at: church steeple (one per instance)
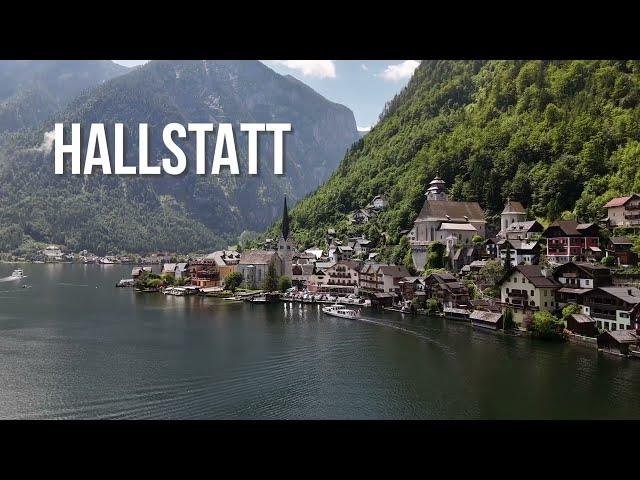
(285, 220)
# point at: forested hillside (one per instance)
(178, 213)
(562, 137)
(33, 90)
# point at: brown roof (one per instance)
(447, 210)
(620, 240)
(513, 207)
(394, 270)
(621, 336)
(619, 201)
(258, 257)
(485, 316)
(582, 318)
(533, 273)
(569, 227)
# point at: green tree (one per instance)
(432, 307)
(609, 261)
(285, 283)
(477, 240)
(271, 280)
(507, 321)
(435, 255)
(233, 281)
(546, 326)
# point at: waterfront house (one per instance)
(52, 253)
(341, 278)
(302, 273)
(223, 258)
(254, 265)
(444, 220)
(618, 342)
(486, 319)
(623, 211)
(621, 249)
(568, 239)
(391, 276)
(578, 278)
(204, 273)
(513, 212)
(527, 289)
(524, 230)
(582, 324)
(168, 268)
(611, 307)
(447, 290)
(411, 287)
(521, 252)
(137, 271)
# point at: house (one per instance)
(623, 211)
(168, 268)
(379, 202)
(513, 212)
(302, 273)
(524, 230)
(521, 252)
(254, 265)
(391, 276)
(316, 251)
(568, 239)
(491, 247)
(341, 278)
(446, 290)
(485, 319)
(611, 307)
(464, 256)
(319, 278)
(527, 289)
(411, 287)
(444, 220)
(578, 278)
(360, 245)
(204, 273)
(582, 324)
(225, 257)
(618, 342)
(621, 249)
(362, 215)
(52, 254)
(137, 271)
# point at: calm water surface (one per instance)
(73, 346)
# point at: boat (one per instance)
(18, 273)
(341, 311)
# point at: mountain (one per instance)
(186, 212)
(562, 137)
(32, 90)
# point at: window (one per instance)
(606, 325)
(532, 293)
(545, 304)
(613, 326)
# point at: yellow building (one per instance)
(528, 289)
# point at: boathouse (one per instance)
(617, 341)
(490, 320)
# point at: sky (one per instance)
(362, 85)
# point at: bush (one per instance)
(285, 283)
(432, 307)
(609, 261)
(547, 327)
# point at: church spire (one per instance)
(285, 220)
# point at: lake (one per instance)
(74, 346)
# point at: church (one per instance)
(446, 221)
(286, 247)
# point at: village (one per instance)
(560, 282)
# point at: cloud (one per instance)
(399, 71)
(311, 68)
(364, 67)
(364, 129)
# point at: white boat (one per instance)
(18, 273)
(341, 311)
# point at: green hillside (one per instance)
(557, 135)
